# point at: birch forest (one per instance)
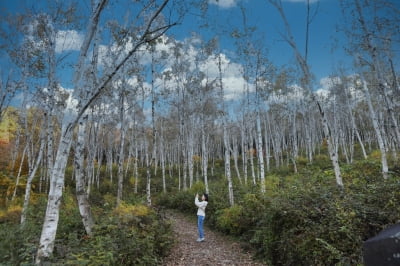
(100, 138)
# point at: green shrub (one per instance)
(228, 220)
(133, 235)
(18, 244)
(303, 218)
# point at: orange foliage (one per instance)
(5, 154)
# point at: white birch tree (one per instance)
(307, 84)
(147, 34)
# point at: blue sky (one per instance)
(224, 15)
(325, 42)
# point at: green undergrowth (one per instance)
(131, 234)
(303, 218)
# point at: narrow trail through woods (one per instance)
(215, 250)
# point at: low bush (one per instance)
(18, 244)
(304, 218)
(131, 234)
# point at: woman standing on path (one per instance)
(201, 214)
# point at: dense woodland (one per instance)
(303, 177)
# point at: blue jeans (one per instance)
(200, 222)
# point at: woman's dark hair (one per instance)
(205, 196)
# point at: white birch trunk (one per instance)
(235, 153)
(99, 164)
(50, 223)
(51, 90)
(135, 167)
(226, 137)
(185, 168)
(148, 175)
(121, 167)
(251, 154)
(309, 143)
(90, 166)
(50, 149)
(267, 153)
(355, 129)
(190, 156)
(257, 168)
(294, 142)
(81, 195)
(162, 158)
(30, 179)
(375, 123)
(109, 157)
(19, 172)
(228, 166)
(331, 149)
(82, 190)
(260, 153)
(204, 158)
(307, 81)
(244, 151)
(376, 69)
(121, 151)
(57, 177)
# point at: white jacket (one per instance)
(202, 206)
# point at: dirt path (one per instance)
(215, 250)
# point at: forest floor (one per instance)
(215, 250)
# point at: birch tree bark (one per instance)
(375, 123)
(121, 156)
(245, 150)
(204, 157)
(80, 184)
(372, 49)
(31, 176)
(49, 229)
(260, 153)
(57, 177)
(50, 223)
(353, 121)
(162, 157)
(225, 137)
(251, 154)
(307, 84)
(19, 171)
(267, 145)
(235, 153)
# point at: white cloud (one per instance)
(293, 95)
(233, 87)
(162, 45)
(113, 53)
(232, 77)
(326, 85)
(328, 82)
(68, 40)
(322, 93)
(224, 3)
